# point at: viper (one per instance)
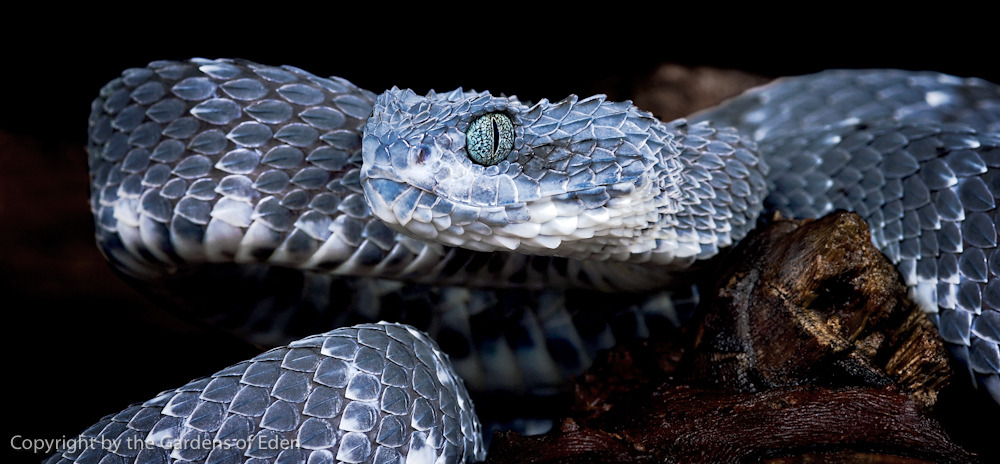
(522, 236)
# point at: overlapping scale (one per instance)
(365, 393)
(228, 160)
(924, 187)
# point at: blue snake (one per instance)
(522, 237)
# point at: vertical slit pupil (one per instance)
(496, 134)
(489, 138)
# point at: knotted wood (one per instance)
(808, 351)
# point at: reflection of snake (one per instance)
(199, 165)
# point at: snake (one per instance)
(461, 244)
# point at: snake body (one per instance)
(228, 168)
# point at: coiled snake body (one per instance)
(218, 180)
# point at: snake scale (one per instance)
(522, 237)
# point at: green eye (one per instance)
(489, 138)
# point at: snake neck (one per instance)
(723, 184)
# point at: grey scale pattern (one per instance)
(221, 161)
(372, 393)
(182, 192)
(256, 170)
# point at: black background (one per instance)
(79, 344)
(53, 68)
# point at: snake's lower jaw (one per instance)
(544, 228)
(623, 225)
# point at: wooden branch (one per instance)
(808, 351)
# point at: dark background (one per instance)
(78, 343)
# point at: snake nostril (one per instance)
(421, 154)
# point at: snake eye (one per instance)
(489, 138)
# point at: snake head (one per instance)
(579, 178)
